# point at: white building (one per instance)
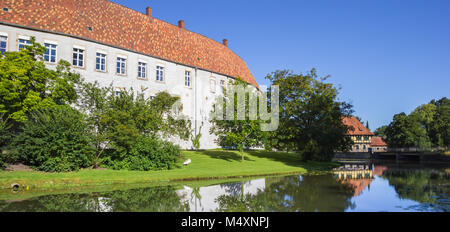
(112, 44)
(205, 200)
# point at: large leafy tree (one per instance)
(407, 131)
(118, 120)
(310, 116)
(439, 129)
(27, 85)
(235, 131)
(428, 125)
(381, 131)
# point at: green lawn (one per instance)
(205, 165)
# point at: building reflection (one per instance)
(204, 199)
(358, 176)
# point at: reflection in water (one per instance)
(366, 187)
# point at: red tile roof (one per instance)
(356, 127)
(119, 26)
(378, 142)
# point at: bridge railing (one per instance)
(417, 149)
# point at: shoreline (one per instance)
(206, 166)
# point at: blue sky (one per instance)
(389, 56)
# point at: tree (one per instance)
(439, 128)
(195, 138)
(310, 116)
(407, 131)
(54, 140)
(118, 120)
(381, 131)
(27, 85)
(237, 132)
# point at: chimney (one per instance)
(225, 42)
(149, 12)
(181, 24)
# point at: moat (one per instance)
(355, 187)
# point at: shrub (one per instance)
(5, 133)
(149, 153)
(55, 140)
(2, 164)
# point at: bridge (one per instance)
(411, 154)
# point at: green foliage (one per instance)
(310, 116)
(428, 125)
(439, 128)
(238, 133)
(5, 133)
(195, 139)
(5, 138)
(54, 140)
(117, 121)
(148, 154)
(26, 84)
(381, 132)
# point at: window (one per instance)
(222, 86)
(159, 73)
(187, 78)
(3, 44)
(142, 70)
(212, 85)
(366, 138)
(23, 43)
(121, 66)
(50, 53)
(78, 57)
(100, 62)
(358, 138)
(357, 147)
(364, 147)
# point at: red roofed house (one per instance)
(360, 135)
(378, 145)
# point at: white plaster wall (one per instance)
(174, 75)
(210, 194)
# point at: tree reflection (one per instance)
(430, 187)
(293, 194)
(156, 199)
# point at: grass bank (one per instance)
(206, 165)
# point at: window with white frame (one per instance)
(212, 85)
(100, 62)
(159, 73)
(23, 43)
(222, 86)
(3, 44)
(187, 78)
(121, 66)
(78, 57)
(50, 53)
(142, 70)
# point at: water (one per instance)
(393, 187)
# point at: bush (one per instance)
(148, 154)
(54, 140)
(2, 164)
